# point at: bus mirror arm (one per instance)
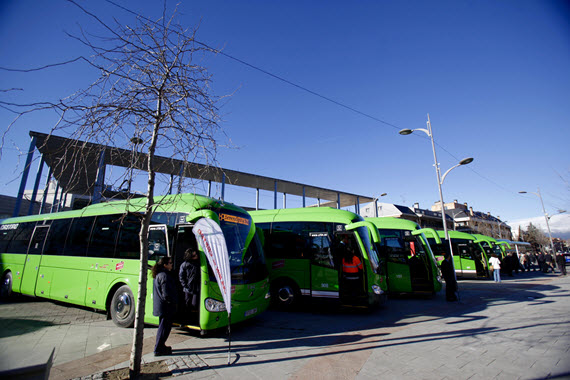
(428, 231)
(369, 225)
(194, 216)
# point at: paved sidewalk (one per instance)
(517, 329)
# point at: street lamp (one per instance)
(546, 217)
(375, 202)
(440, 178)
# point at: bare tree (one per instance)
(536, 237)
(152, 96)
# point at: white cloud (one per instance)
(559, 225)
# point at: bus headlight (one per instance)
(376, 289)
(267, 295)
(213, 305)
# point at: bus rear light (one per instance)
(213, 305)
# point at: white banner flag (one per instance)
(211, 238)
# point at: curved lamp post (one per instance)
(546, 217)
(375, 202)
(440, 178)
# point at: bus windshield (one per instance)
(247, 262)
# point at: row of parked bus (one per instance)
(90, 257)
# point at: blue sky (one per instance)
(494, 77)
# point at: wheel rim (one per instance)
(6, 285)
(123, 306)
(285, 295)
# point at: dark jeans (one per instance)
(164, 327)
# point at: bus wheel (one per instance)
(123, 307)
(6, 286)
(285, 295)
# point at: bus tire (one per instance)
(123, 307)
(6, 286)
(285, 295)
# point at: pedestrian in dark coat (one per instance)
(164, 303)
(541, 262)
(561, 262)
(448, 274)
(189, 275)
(549, 262)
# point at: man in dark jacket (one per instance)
(189, 275)
(164, 303)
(561, 262)
(449, 276)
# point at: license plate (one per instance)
(250, 312)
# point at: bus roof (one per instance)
(307, 214)
(521, 243)
(456, 235)
(168, 203)
(389, 222)
(485, 238)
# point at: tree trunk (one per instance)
(136, 351)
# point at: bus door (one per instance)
(352, 287)
(480, 260)
(324, 276)
(184, 239)
(419, 263)
(33, 261)
(396, 258)
(467, 259)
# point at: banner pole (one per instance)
(229, 337)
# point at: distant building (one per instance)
(425, 218)
(467, 220)
(459, 216)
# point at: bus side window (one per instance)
(57, 235)
(78, 237)
(104, 236)
(286, 241)
(128, 244)
(7, 233)
(21, 238)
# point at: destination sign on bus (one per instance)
(234, 219)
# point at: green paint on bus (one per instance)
(304, 256)
(410, 264)
(90, 257)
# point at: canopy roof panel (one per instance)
(75, 165)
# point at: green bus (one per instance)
(469, 258)
(90, 257)
(492, 246)
(303, 252)
(410, 264)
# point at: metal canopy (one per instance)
(62, 156)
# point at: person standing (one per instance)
(561, 262)
(164, 303)
(541, 262)
(496, 263)
(352, 269)
(189, 275)
(526, 262)
(448, 274)
(549, 262)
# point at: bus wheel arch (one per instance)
(285, 293)
(6, 285)
(121, 306)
